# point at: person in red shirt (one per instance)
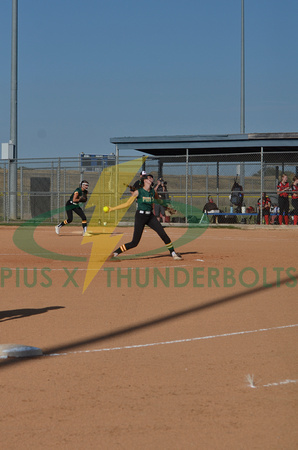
(283, 188)
(266, 205)
(294, 189)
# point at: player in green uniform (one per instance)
(73, 205)
(145, 197)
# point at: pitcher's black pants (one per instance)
(142, 219)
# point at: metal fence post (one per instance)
(217, 182)
(52, 187)
(8, 190)
(21, 191)
(191, 189)
(117, 180)
(58, 188)
(186, 184)
(207, 182)
(13, 183)
(5, 195)
(262, 186)
(64, 189)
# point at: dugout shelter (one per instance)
(257, 158)
(223, 147)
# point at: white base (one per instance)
(18, 351)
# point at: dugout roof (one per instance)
(223, 147)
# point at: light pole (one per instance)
(13, 173)
(242, 106)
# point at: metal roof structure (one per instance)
(223, 147)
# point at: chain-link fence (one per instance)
(46, 184)
(193, 183)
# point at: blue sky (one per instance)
(90, 70)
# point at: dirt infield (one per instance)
(155, 353)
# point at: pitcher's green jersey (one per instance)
(145, 199)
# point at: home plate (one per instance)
(18, 351)
(199, 260)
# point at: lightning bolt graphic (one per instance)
(109, 189)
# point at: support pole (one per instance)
(13, 178)
(242, 106)
(262, 186)
(186, 183)
(117, 161)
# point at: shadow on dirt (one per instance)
(25, 312)
(133, 328)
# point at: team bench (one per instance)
(227, 214)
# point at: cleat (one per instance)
(57, 229)
(176, 256)
(113, 257)
(84, 231)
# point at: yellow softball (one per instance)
(105, 209)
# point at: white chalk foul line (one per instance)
(179, 341)
(253, 385)
(280, 383)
